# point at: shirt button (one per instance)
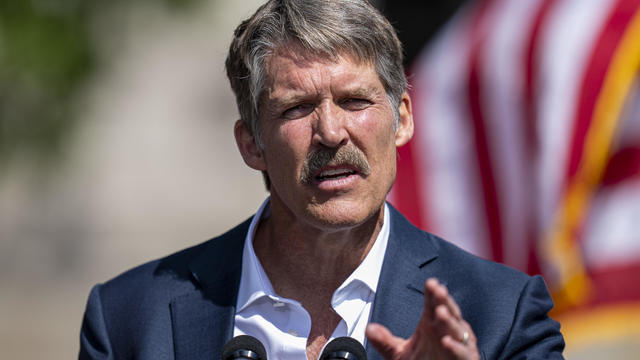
(292, 332)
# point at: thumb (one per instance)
(384, 341)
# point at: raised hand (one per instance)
(441, 333)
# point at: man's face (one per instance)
(329, 140)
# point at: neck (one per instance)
(308, 263)
(297, 256)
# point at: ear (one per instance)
(404, 132)
(251, 153)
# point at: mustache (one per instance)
(348, 155)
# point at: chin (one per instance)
(342, 215)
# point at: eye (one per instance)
(355, 104)
(298, 111)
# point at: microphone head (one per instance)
(344, 348)
(244, 347)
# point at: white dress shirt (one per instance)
(282, 324)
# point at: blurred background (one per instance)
(116, 148)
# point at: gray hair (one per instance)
(325, 28)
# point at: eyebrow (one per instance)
(288, 100)
(361, 91)
(358, 91)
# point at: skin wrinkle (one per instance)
(272, 106)
(277, 105)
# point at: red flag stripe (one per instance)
(485, 166)
(531, 70)
(615, 284)
(597, 67)
(409, 184)
(624, 165)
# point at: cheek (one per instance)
(378, 131)
(293, 129)
(296, 135)
(289, 144)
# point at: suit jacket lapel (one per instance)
(399, 296)
(203, 319)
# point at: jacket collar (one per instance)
(400, 292)
(203, 319)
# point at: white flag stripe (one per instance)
(503, 95)
(610, 235)
(612, 227)
(453, 201)
(566, 44)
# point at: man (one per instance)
(323, 106)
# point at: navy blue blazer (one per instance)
(182, 306)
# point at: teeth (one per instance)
(335, 172)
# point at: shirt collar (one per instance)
(255, 284)
(368, 272)
(360, 287)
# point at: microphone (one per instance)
(244, 347)
(344, 348)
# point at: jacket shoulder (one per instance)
(129, 316)
(168, 276)
(507, 309)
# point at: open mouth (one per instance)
(334, 174)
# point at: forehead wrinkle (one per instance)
(292, 91)
(301, 81)
(295, 86)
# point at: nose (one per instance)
(329, 127)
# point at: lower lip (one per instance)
(337, 184)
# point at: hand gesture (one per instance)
(441, 333)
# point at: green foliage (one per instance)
(46, 54)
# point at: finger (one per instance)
(440, 295)
(460, 350)
(431, 286)
(455, 309)
(452, 304)
(456, 330)
(448, 324)
(384, 341)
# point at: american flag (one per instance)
(527, 148)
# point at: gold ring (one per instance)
(465, 338)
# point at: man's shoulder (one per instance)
(475, 265)
(172, 274)
(457, 262)
(129, 313)
(494, 298)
